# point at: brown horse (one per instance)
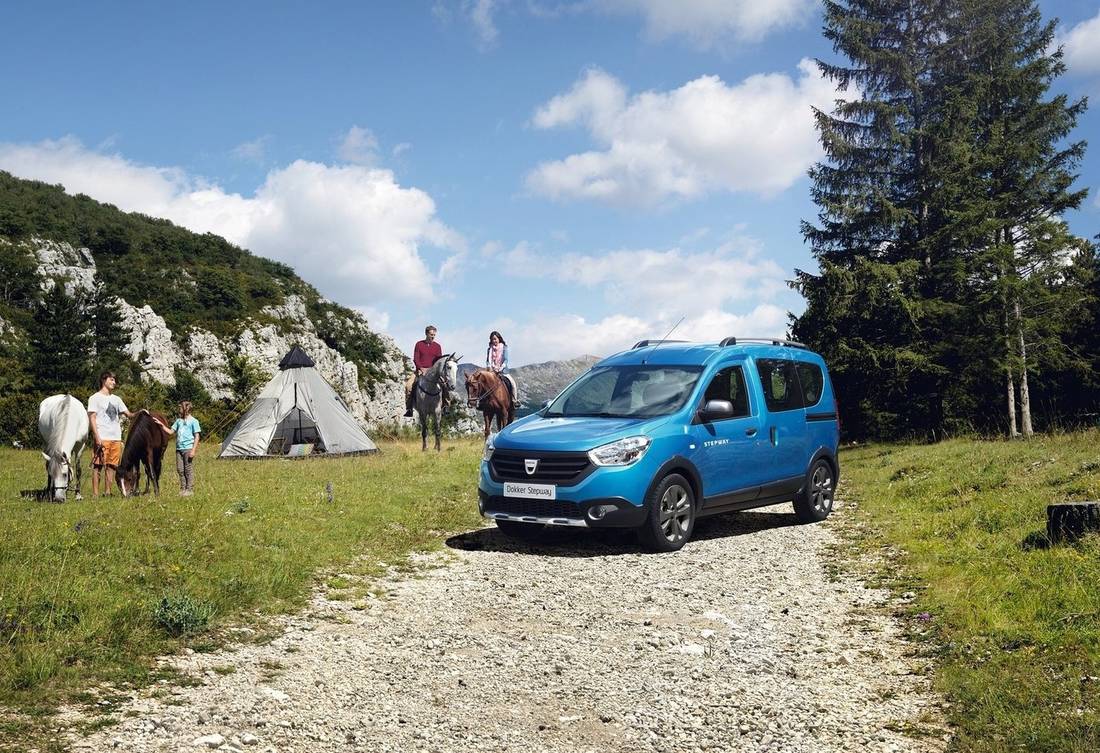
(486, 391)
(145, 445)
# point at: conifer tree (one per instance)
(1020, 250)
(60, 342)
(878, 205)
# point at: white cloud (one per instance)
(713, 23)
(1082, 46)
(358, 146)
(481, 15)
(663, 283)
(548, 336)
(401, 148)
(249, 151)
(757, 136)
(350, 230)
(478, 13)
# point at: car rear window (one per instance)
(812, 382)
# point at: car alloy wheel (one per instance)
(676, 513)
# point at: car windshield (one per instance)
(627, 392)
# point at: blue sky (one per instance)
(576, 174)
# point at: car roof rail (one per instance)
(764, 341)
(647, 343)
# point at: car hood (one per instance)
(576, 433)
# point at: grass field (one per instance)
(90, 591)
(1016, 624)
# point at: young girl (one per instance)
(187, 431)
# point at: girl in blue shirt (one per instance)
(187, 431)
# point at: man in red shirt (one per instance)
(425, 354)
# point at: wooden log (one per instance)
(1069, 521)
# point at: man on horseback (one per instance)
(425, 353)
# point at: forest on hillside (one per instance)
(51, 341)
(951, 296)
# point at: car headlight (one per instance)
(487, 454)
(621, 452)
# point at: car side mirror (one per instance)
(716, 410)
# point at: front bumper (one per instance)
(607, 512)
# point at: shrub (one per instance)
(178, 614)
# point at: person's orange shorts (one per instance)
(109, 454)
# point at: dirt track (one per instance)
(739, 642)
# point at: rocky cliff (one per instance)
(263, 339)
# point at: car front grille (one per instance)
(537, 508)
(563, 468)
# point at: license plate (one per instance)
(531, 491)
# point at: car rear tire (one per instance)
(671, 518)
(814, 503)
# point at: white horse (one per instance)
(428, 392)
(63, 424)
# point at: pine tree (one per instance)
(60, 343)
(108, 338)
(879, 206)
(1021, 184)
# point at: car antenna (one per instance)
(668, 334)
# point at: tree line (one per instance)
(951, 295)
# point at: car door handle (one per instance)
(774, 435)
(750, 432)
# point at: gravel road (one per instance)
(740, 642)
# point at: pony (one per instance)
(145, 445)
(428, 393)
(487, 392)
(63, 424)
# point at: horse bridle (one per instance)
(482, 395)
(440, 381)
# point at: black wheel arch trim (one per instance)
(683, 466)
(824, 453)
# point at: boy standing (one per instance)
(105, 411)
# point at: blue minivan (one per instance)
(665, 433)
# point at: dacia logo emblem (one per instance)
(530, 465)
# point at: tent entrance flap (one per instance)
(296, 428)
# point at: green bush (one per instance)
(177, 614)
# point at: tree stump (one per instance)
(1069, 521)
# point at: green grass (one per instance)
(1016, 624)
(83, 584)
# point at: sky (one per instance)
(577, 174)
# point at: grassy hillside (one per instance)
(90, 591)
(1015, 624)
(190, 279)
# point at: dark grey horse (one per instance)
(428, 395)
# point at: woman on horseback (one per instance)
(496, 360)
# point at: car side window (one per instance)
(812, 382)
(780, 383)
(729, 384)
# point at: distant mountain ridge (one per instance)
(538, 382)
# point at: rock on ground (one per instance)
(739, 642)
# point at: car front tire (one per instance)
(671, 518)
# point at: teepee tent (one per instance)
(296, 414)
